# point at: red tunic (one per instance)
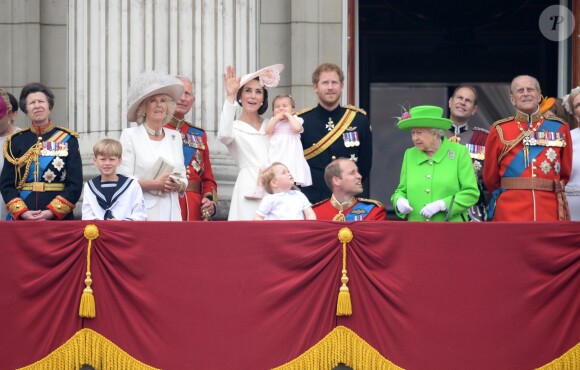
(552, 163)
(326, 211)
(198, 169)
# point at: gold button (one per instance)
(333, 157)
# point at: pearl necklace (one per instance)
(152, 132)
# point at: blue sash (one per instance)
(189, 151)
(43, 162)
(359, 212)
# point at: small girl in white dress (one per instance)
(285, 146)
(282, 202)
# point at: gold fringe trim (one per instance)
(344, 305)
(87, 347)
(87, 307)
(341, 345)
(568, 361)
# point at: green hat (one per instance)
(425, 116)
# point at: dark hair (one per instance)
(32, 88)
(13, 103)
(264, 105)
(468, 87)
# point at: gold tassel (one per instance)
(344, 305)
(87, 306)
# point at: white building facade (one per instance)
(88, 51)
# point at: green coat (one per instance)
(449, 173)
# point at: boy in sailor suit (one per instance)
(111, 196)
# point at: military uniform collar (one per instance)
(177, 123)
(41, 130)
(456, 130)
(342, 206)
(329, 111)
(523, 117)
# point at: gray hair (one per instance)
(437, 131)
(536, 83)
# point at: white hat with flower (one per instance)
(148, 84)
(268, 76)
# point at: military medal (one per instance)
(330, 124)
(345, 140)
(356, 140)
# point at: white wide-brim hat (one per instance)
(268, 76)
(148, 84)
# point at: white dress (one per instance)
(140, 154)
(286, 148)
(573, 186)
(249, 148)
(284, 206)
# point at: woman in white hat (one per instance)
(437, 178)
(153, 154)
(245, 137)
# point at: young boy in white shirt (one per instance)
(111, 196)
(282, 202)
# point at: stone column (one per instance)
(34, 46)
(112, 41)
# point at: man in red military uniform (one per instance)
(528, 160)
(345, 182)
(199, 202)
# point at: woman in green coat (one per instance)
(437, 178)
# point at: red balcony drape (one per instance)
(255, 295)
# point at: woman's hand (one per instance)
(403, 206)
(37, 215)
(430, 209)
(232, 83)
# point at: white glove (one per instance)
(403, 206)
(430, 209)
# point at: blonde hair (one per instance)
(143, 108)
(108, 147)
(268, 175)
(282, 97)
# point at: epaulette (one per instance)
(481, 129)
(375, 202)
(9, 137)
(357, 109)
(305, 110)
(557, 119)
(503, 121)
(68, 130)
(322, 201)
